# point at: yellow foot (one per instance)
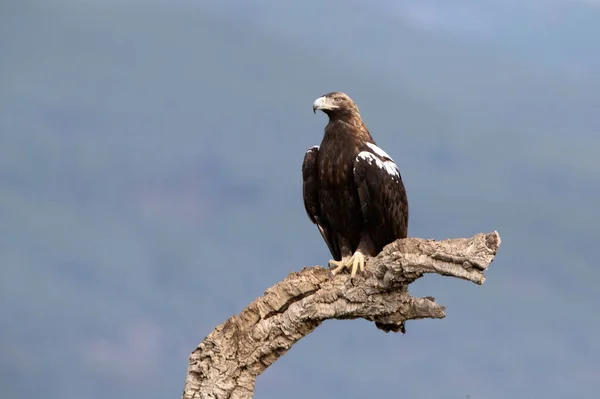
(339, 265)
(358, 263)
(355, 263)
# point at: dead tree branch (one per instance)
(227, 362)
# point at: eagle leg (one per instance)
(340, 265)
(358, 263)
(354, 263)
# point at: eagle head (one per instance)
(335, 103)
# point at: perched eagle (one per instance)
(352, 189)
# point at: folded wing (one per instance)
(384, 204)
(310, 192)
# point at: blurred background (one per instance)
(150, 187)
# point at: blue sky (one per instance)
(150, 159)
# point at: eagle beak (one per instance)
(320, 103)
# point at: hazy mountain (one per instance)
(150, 173)
(556, 33)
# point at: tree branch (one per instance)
(227, 362)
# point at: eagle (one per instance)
(352, 189)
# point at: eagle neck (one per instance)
(349, 130)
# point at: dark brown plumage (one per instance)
(352, 189)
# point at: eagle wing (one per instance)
(382, 195)
(310, 192)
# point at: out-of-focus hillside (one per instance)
(150, 174)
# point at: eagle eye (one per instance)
(338, 99)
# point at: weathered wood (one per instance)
(227, 362)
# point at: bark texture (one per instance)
(227, 362)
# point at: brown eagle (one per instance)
(352, 189)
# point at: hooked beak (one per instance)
(323, 103)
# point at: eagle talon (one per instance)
(358, 263)
(338, 269)
(354, 264)
(340, 265)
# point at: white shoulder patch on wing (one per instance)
(379, 151)
(389, 166)
(314, 147)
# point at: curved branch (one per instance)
(227, 362)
